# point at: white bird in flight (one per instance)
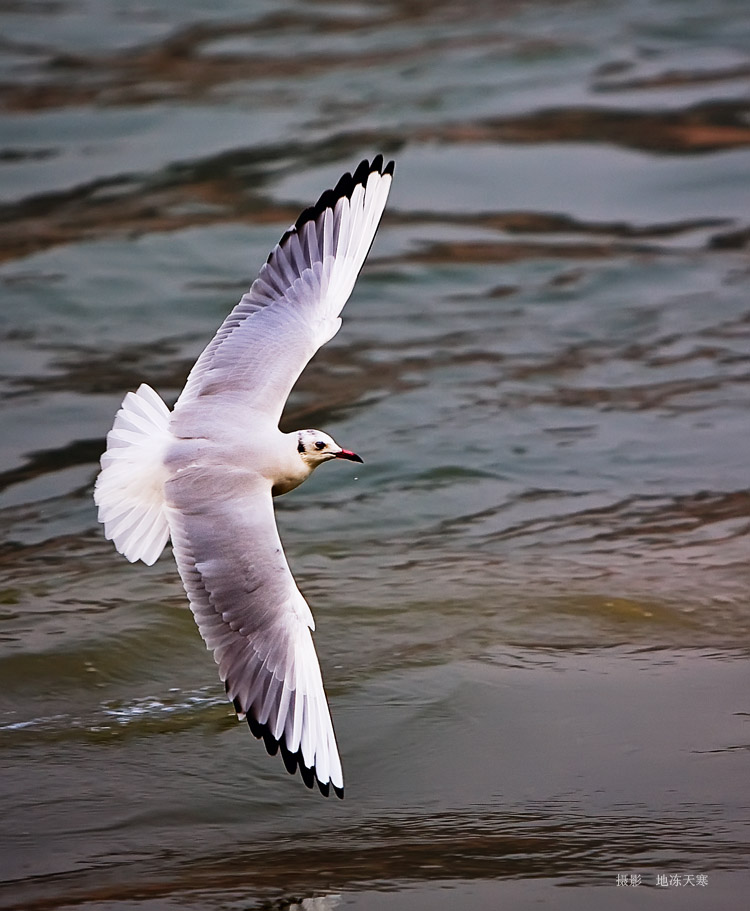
(205, 474)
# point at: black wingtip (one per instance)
(308, 775)
(362, 173)
(293, 762)
(271, 745)
(345, 187)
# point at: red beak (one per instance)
(348, 454)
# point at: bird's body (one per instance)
(256, 451)
(204, 474)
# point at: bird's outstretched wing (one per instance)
(252, 615)
(293, 306)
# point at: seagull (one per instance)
(205, 474)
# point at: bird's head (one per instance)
(316, 447)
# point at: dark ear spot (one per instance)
(300, 446)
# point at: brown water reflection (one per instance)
(514, 814)
(535, 844)
(532, 600)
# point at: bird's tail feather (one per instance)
(130, 488)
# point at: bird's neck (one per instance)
(293, 470)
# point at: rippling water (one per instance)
(532, 600)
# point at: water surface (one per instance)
(532, 600)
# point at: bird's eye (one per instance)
(319, 444)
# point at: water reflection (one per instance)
(532, 601)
